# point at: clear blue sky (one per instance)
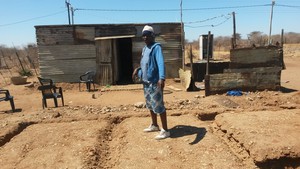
(18, 17)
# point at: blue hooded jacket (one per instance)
(156, 66)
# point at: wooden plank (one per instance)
(229, 81)
(55, 35)
(257, 70)
(68, 60)
(104, 51)
(245, 79)
(185, 78)
(105, 74)
(85, 34)
(66, 52)
(256, 57)
(67, 66)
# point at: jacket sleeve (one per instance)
(160, 62)
(139, 73)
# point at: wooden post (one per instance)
(207, 78)
(207, 53)
(234, 31)
(281, 45)
(207, 86)
(191, 61)
(282, 41)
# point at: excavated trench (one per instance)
(13, 131)
(98, 153)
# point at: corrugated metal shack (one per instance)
(112, 50)
(250, 69)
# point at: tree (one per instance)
(292, 37)
(222, 41)
(257, 38)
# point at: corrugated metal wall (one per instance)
(67, 51)
(256, 57)
(250, 69)
(65, 63)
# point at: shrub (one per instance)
(25, 72)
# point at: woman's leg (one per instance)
(154, 118)
(163, 117)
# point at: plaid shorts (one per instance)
(154, 98)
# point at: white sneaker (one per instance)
(163, 134)
(151, 128)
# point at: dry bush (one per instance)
(16, 62)
(291, 50)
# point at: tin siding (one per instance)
(68, 62)
(256, 57)
(114, 30)
(54, 36)
(251, 69)
(70, 50)
(84, 35)
(245, 79)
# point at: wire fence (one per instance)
(18, 62)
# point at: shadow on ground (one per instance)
(287, 90)
(10, 111)
(184, 130)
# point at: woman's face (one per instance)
(148, 39)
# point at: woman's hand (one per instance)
(135, 73)
(161, 83)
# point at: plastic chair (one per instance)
(88, 78)
(5, 96)
(50, 91)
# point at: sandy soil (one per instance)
(104, 128)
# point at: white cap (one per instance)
(148, 28)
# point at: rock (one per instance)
(56, 115)
(30, 85)
(139, 105)
(199, 96)
(94, 96)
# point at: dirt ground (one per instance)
(104, 128)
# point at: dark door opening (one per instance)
(124, 47)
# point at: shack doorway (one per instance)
(124, 61)
(114, 60)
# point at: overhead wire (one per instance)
(211, 25)
(153, 10)
(289, 6)
(168, 10)
(35, 18)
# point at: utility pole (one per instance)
(68, 6)
(271, 18)
(72, 13)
